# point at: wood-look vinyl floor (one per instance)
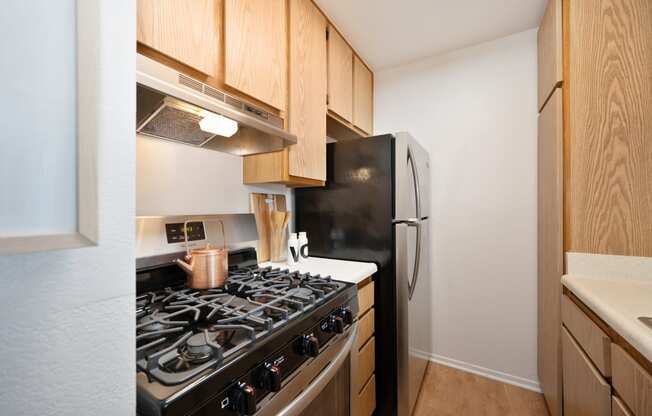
(450, 392)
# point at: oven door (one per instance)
(320, 386)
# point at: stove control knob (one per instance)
(271, 378)
(347, 315)
(309, 346)
(243, 399)
(336, 324)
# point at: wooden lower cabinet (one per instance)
(363, 357)
(632, 382)
(586, 393)
(366, 364)
(625, 389)
(593, 341)
(365, 403)
(365, 298)
(618, 408)
(365, 328)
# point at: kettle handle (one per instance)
(223, 234)
(185, 235)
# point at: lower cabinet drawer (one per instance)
(618, 408)
(365, 298)
(366, 328)
(365, 403)
(631, 381)
(589, 336)
(586, 393)
(366, 364)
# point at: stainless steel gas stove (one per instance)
(241, 349)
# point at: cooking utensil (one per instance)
(278, 241)
(262, 213)
(208, 266)
(262, 205)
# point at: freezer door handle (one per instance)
(417, 185)
(412, 283)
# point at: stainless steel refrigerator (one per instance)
(375, 207)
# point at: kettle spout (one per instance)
(185, 266)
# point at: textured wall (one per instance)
(475, 111)
(67, 317)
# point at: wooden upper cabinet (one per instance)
(307, 107)
(550, 47)
(362, 96)
(255, 49)
(186, 31)
(340, 76)
(610, 127)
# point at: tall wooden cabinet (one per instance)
(609, 206)
(550, 48)
(595, 61)
(550, 261)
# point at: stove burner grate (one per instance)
(182, 332)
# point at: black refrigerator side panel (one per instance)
(351, 219)
(386, 342)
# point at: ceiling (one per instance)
(388, 33)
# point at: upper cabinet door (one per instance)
(186, 31)
(255, 54)
(307, 107)
(610, 127)
(362, 96)
(340, 76)
(550, 51)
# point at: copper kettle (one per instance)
(206, 268)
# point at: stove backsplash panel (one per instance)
(152, 236)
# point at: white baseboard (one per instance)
(481, 371)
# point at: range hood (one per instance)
(171, 106)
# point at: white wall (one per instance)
(177, 179)
(475, 111)
(67, 318)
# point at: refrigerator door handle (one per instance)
(412, 283)
(415, 175)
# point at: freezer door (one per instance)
(412, 167)
(414, 326)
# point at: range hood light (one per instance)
(217, 124)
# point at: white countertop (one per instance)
(344, 270)
(618, 299)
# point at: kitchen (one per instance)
(473, 186)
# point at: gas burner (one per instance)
(155, 321)
(198, 349)
(181, 332)
(301, 292)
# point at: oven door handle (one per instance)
(306, 397)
